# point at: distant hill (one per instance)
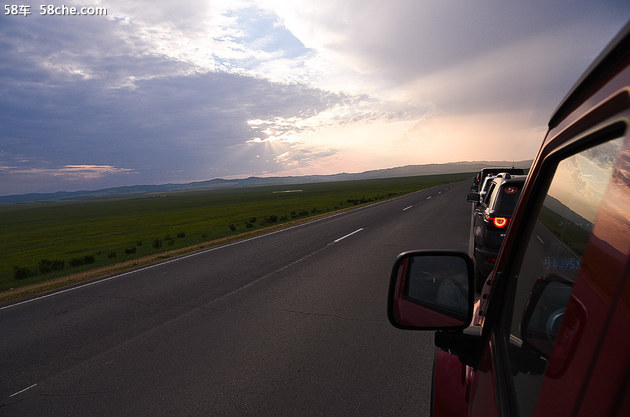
(218, 183)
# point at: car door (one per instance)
(553, 298)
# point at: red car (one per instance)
(550, 333)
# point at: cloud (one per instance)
(458, 57)
(168, 129)
(69, 172)
(18, 178)
(409, 38)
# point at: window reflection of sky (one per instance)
(580, 181)
(613, 224)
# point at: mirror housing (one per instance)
(473, 198)
(431, 290)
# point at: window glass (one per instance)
(510, 194)
(486, 198)
(492, 195)
(551, 263)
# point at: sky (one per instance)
(154, 92)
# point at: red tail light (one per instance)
(500, 222)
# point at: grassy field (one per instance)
(45, 240)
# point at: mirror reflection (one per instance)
(439, 283)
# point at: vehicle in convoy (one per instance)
(490, 221)
(549, 334)
(483, 190)
(482, 174)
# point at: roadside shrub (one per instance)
(232, 227)
(111, 255)
(22, 272)
(86, 260)
(74, 262)
(129, 251)
(157, 243)
(181, 235)
(139, 243)
(46, 265)
(271, 219)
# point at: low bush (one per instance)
(46, 265)
(22, 272)
(86, 260)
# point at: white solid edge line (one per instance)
(348, 235)
(19, 392)
(407, 208)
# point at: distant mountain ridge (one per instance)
(219, 183)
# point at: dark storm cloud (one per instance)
(159, 127)
(485, 55)
(439, 36)
(86, 98)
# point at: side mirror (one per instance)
(544, 313)
(431, 290)
(473, 198)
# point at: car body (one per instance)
(490, 221)
(550, 333)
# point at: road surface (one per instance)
(292, 323)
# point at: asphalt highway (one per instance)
(291, 323)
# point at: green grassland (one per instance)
(45, 240)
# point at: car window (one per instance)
(551, 263)
(487, 182)
(509, 197)
(489, 194)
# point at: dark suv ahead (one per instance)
(491, 219)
